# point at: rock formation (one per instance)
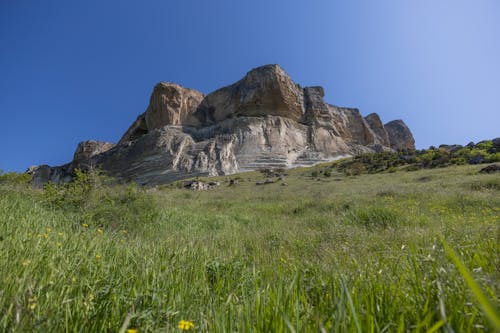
(264, 120)
(400, 136)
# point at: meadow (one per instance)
(404, 251)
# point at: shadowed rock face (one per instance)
(264, 120)
(400, 135)
(378, 129)
(85, 150)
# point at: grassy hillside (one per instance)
(324, 253)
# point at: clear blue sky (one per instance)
(77, 70)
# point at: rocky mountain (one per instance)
(264, 120)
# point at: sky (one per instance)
(78, 70)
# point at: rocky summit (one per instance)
(265, 120)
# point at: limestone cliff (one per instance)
(263, 120)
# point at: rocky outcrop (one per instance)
(264, 91)
(264, 120)
(378, 129)
(82, 159)
(400, 136)
(170, 104)
(42, 174)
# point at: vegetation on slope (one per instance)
(486, 151)
(334, 253)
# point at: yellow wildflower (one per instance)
(132, 330)
(99, 231)
(60, 234)
(185, 325)
(85, 225)
(48, 229)
(26, 262)
(97, 256)
(45, 236)
(32, 306)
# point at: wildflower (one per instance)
(132, 330)
(97, 256)
(26, 262)
(60, 234)
(99, 231)
(48, 229)
(45, 236)
(85, 225)
(185, 325)
(32, 303)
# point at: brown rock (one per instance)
(265, 90)
(172, 104)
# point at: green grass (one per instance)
(342, 254)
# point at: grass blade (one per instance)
(488, 308)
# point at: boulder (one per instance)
(42, 174)
(196, 185)
(493, 168)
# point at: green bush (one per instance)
(97, 201)
(483, 152)
(15, 178)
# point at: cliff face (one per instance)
(263, 120)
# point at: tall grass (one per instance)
(342, 254)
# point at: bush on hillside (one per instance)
(410, 160)
(99, 201)
(14, 178)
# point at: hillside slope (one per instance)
(329, 253)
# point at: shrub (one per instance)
(15, 178)
(98, 201)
